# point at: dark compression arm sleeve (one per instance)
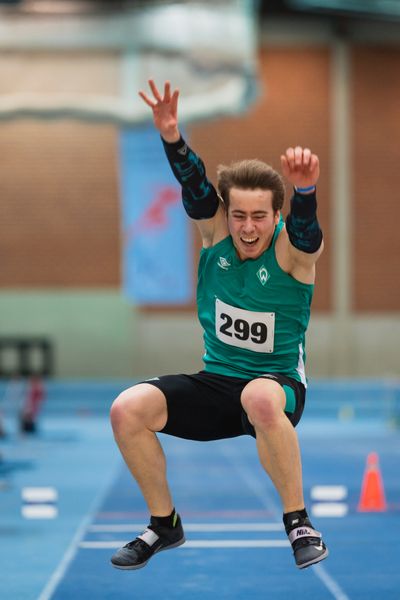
(199, 196)
(302, 224)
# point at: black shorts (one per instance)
(205, 406)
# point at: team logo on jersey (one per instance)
(223, 263)
(263, 275)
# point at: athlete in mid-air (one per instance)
(255, 285)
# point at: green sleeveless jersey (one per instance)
(254, 315)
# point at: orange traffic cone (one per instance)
(372, 498)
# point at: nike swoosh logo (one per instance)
(319, 548)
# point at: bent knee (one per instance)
(125, 407)
(264, 408)
(140, 407)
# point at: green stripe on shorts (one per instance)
(290, 399)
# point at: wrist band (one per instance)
(302, 224)
(310, 188)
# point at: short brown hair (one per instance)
(250, 175)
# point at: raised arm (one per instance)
(200, 199)
(301, 168)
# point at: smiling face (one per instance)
(251, 221)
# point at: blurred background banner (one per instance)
(157, 250)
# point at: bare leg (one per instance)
(136, 415)
(278, 449)
(277, 442)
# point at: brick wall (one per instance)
(59, 207)
(59, 224)
(376, 179)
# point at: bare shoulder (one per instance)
(213, 230)
(300, 265)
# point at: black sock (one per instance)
(295, 518)
(169, 521)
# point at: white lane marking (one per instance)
(39, 511)
(329, 509)
(266, 499)
(62, 567)
(329, 582)
(198, 544)
(257, 484)
(39, 494)
(328, 492)
(135, 527)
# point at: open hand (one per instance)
(165, 110)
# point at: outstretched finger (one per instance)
(174, 102)
(167, 91)
(146, 99)
(155, 91)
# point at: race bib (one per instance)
(244, 328)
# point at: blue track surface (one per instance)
(236, 546)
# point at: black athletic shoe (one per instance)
(307, 544)
(155, 538)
